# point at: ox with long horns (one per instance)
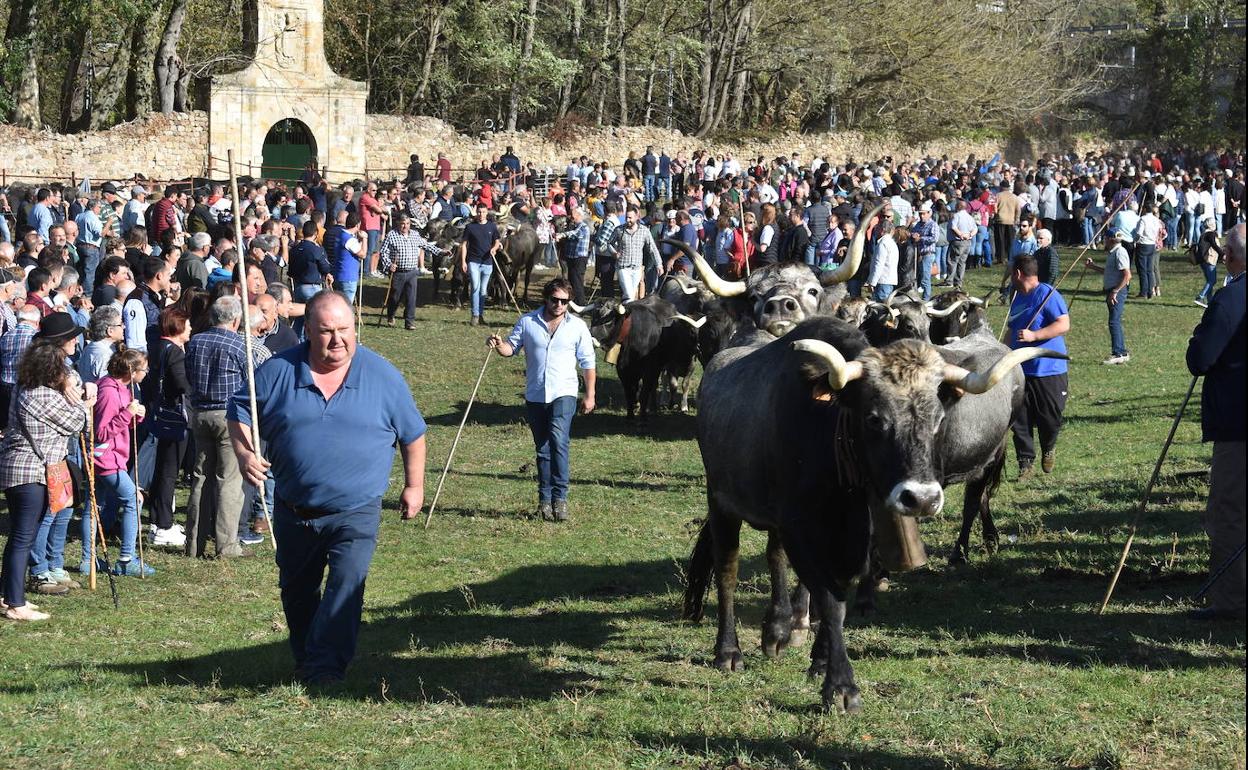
(807, 438)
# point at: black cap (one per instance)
(58, 326)
(108, 187)
(6, 277)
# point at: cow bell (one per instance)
(897, 541)
(614, 353)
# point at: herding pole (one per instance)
(247, 338)
(134, 453)
(1148, 490)
(489, 353)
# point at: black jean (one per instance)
(27, 503)
(402, 289)
(1044, 400)
(169, 456)
(576, 276)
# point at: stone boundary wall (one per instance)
(176, 146)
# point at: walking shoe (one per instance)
(389, 322)
(474, 321)
(84, 568)
(260, 526)
(544, 511)
(1025, 470)
(62, 577)
(409, 327)
(170, 537)
(1201, 302)
(561, 510)
(1115, 360)
(45, 584)
(132, 568)
(1048, 460)
(251, 538)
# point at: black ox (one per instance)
(837, 431)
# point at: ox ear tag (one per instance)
(820, 391)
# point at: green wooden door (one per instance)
(288, 147)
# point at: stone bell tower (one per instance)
(288, 79)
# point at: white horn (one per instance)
(854, 258)
(713, 282)
(575, 308)
(982, 382)
(689, 289)
(840, 371)
(695, 324)
(621, 309)
(947, 311)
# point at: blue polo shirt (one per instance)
(332, 455)
(1021, 311)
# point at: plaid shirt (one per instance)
(12, 345)
(43, 420)
(259, 351)
(578, 248)
(404, 250)
(216, 362)
(8, 319)
(633, 246)
(419, 212)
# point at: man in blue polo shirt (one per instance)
(1038, 318)
(330, 414)
(555, 344)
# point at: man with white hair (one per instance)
(132, 214)
(192, 269)
(1217, 351)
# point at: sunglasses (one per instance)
(560, 300)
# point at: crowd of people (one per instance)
(122, 342)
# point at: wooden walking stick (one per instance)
(1148, 490)
(134, 477)
(506, 284)
(97, 528)
(248, 341)
(489, 353)
(385, 304)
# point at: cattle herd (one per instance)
(859, 414)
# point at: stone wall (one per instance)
(175, 146)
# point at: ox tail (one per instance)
(701, 566)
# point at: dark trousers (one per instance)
(402, 289)
(551, 425)
(6, 398)
(605, 268)
(1144, 253)
(576, 276)
(27, 504)
(1044, 400)
(1003, 243)
(324, 623)
(169, 456)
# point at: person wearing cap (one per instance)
(132, 213)
(924, 234)
(1116, 285)
(49, 409)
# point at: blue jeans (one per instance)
(302, 293)
(47, 552)
(324, 623)
(1211, 277)
(981, 247)
(925, 273)
(1172, 232)
(550, 257)
(1193, 227)
(647, 184)
(1117, 342)
(550, 424)
(809, 255)
(942, 259)
(1088, 229)
(663, 188)
(27, 503)
(90, 263)
(479, 279)
(115, 493)
(882, 291)
(347, 289)
(1143, 264)
(373, 237)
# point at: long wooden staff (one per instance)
(97, 529)
(1148, 490)
(451, 455)
(134, 454)
(247, 338)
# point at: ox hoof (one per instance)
(729, 661)
(843, 699)
(797, 637)
(957, 555)
(817, 669)
(991, 545)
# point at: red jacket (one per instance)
(163, 218)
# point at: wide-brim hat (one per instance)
(58, 326)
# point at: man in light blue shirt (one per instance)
(90, 239)
(555, 344)
(41, 214)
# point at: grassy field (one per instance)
(495, 640)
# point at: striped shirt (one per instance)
(12, 346)
(633, 245)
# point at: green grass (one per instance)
(497, 640)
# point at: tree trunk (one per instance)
(168, 66)
(142, 60)
(705, 95)
(431, 48)
(645, 121)
(565, 91)
(621, 76)
(526, 51)
(74, 113)
(111, 82)
(601, 69)
(19, 36)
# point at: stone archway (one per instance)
(288, 147)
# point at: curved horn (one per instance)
(853, 259)
(840, 371)
(933, 313)
(575, 308)
(695, 324)
(713, 282)
(621, 309)
(888, 301)
(985, 302)
(689, 289)
(982, 382)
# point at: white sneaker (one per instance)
(169, 537)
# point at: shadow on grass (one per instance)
(667, 482)
(663, 425)
(752, 753)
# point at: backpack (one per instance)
(1193, 253)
